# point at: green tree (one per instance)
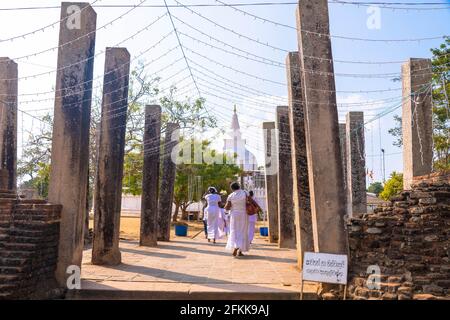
(393, 186)
(188, 189)
(36, 151)
(132, 177)
(375, 187)
(142, 91)
(441, 108)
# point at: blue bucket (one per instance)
(181, 231)
(264, 231)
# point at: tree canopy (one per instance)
(193, 177)
(375, 187)
(393, 186)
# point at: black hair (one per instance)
(212, 190)
(235, 186)
(250, 193)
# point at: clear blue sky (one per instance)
(245, 91)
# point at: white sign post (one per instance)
(326, 268)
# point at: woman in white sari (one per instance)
(252, 220)
(238, 238)
(214, 215)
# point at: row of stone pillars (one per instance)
(70, 152)
(315, 166)
(70, 145)
(310, 124)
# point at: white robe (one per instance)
(251, 227)
(226, 219)
(238, 222)
(214, 216)
(223, 223)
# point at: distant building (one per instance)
(235, 148)
(374, 202)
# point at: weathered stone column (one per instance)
(109, 173)
(271, 173)
(8, 122)
(286, 226)
(343, 148)
(300, 186)
(326, 181)
(417, 127)
(167, 183)
(356, 165)
(150, 176)
(70, 145)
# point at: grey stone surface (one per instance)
(70, 145)
(322, 130)
(271, 174)
(8, 121)
(343, 148)
(286, 226)
(150, 178)
(300, 180)
(356, 165)
(167, 183)
(110, 158)
(417, 122)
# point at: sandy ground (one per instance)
(130, 226)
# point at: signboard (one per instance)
(325, 267)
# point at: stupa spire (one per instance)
(235, 121)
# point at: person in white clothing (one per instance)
(214, 215)
(226, 218)
(252, 221)
(236, 204)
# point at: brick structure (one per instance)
(29, 234)
(409, 241)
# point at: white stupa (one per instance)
(234, 146)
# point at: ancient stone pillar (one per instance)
(70, 145)
(271, 175)
(326, 181)
(356, 165)
(167, 183)
(300, 186)
(343, 148)
(8, 122)
(286, 226)
(109, 173)
(417, 127)
(150, 177)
